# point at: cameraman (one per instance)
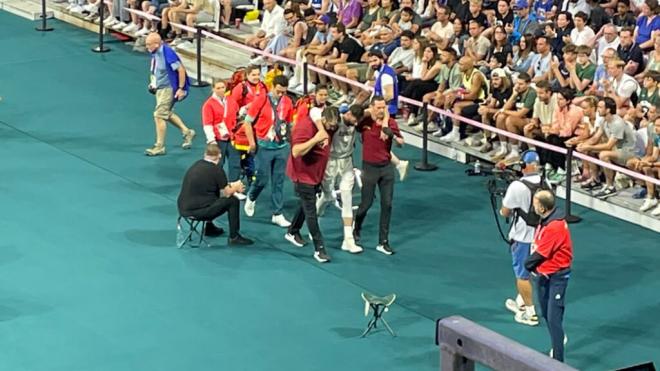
(517, 203)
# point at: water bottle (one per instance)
(180, 235)
(477, 167)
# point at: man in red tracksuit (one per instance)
(219, 114)
(270, 116)
(310, 153)
(550, 261)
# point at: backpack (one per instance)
(237, 78)
(302, 106)
(531, 218)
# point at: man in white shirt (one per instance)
(576, 6)
(582, 34)
(272, 25)
(442, 31)
(607, 38)
(620, 87)
(517, 204)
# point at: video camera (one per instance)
(501, 176)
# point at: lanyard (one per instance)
(224, 104)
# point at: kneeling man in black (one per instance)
(205, 195)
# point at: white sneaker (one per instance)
(110, 21)
(90, 8)
(411, 119)
(278, 220)
(656, 212)
(350, 246)
(511, 305)
(513, 156)
(648, 204)
(249, 207)
(453, 136)
(240, 196)
(131, 28)
(438, 133)
(119, 26)
(525, 319)
(77, 9)
(142, 32)
(402, 168)
(258, 61)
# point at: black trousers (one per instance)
(383, 177)
(229, 205)
(416, 89)
(557, 160)
(307, 212)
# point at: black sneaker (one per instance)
(239, 241)
(590, 186)
(295, 238)
(212, 231)
(606, 192)
(321, 256)
(385, 248)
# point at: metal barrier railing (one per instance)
(463, 343)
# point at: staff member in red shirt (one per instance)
(550, 260)
(310, 152)
(219, 115)
(245, 94)
(378, 135)
(271, 116)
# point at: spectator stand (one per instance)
(232, 39)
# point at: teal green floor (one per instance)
(90, 278)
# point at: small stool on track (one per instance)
(379, 305)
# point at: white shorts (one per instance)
(338, 169)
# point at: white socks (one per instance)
(348, 232)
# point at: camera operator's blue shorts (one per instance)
(520, 253)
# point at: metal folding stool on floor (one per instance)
(193, 225)
(379, 305)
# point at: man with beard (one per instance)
(310, 151)
(340, 167)
(378, 134)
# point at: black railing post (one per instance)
(199, 83)
(424, 164)
(44, 27)
(305, 78)
(101, 48)
(570, 218)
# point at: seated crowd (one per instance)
(580, 74)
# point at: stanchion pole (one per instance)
(305, 78)
(101, 48)
(199, 83)
(44, 27)
(424, 164)
(570, 218)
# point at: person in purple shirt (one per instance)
(648, 24)
(350, 12)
